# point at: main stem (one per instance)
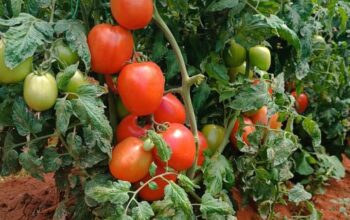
(187, 82)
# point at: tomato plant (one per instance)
(214, 134)
(129, 127)
(170, 110)
(64, 54)
(141, 87)
(130, 161)
(260, 57)
(134, 14)
(40, 91)
(202, 145)
(302, 101)
(235, 55)
(17, 74)
(182, 145)
(111, 47)
(248, 128)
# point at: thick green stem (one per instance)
(53, 5)
(187, 82)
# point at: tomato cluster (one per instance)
(141, 98)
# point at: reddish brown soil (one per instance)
(26, 198)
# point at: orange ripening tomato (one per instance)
(132, 14)
(130, 162)
(202, 146)
(274, 123)
(170, 110)
(260, 116)
(129, 127)
(111, 47)
(182, 145)
(301, 101)
(141, 87)
(247, 130)
(146, 193)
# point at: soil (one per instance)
(25, 198)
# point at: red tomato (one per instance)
(274, 123)
(130, 162)
(203, 145)
(148, 194)
(132, 14)
(111, 83)
(111, 47)
(257, 81)
(260, 117)
(302, 101)
(141, 87)
(129, 127)
(248, 129)
(181, 142)
(170, 110)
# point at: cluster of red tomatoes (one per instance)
(140, 86)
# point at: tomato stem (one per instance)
(53, 5)
(187, 82)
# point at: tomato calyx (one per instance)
(148, 144)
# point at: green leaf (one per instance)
(143, 211)
(64, 78)
(314, 213)
(74, 145)
(186, 183)
(25, 121)
(332, 165)
(51, 160)
(9, 157)
(210, 205)
(152, 169)
(200, 96)
(64, 112)
(298, 194)
(217, 71)
(302, 165)
(163, 208)
(179, 197)
(159, 49)
(16, 6)
(251, 97)
(172, 67)
(217, 172)
(75, 35)
(311, 127)
(220, 5)
(163, 151)
(25, 35)
(32, 163)
(256, 28)
(114, 192)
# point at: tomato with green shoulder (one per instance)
(214, 134)
(235, 54)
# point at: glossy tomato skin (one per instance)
(302, 102)
(40, 91)
(214, 135)
(17, 74)
(260, 117)
(260, 57)
(129, 127)
(274, 123)
(111, 47)
(146, 193)
(141, 87)
(75, 82)
(130, 162)
(181, 142)
(132, 14)
(65, 55)
(235, 55)
(203, 145)
(170, 110)
(247, 130)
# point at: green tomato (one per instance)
(17, 74)
(260, 57)
(75, 82)
(317, 39)
(121, 110)
(215, 135)
(64, 54)
(234, 71)
(235, 55)
(40, 91)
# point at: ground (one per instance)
(25, 198)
